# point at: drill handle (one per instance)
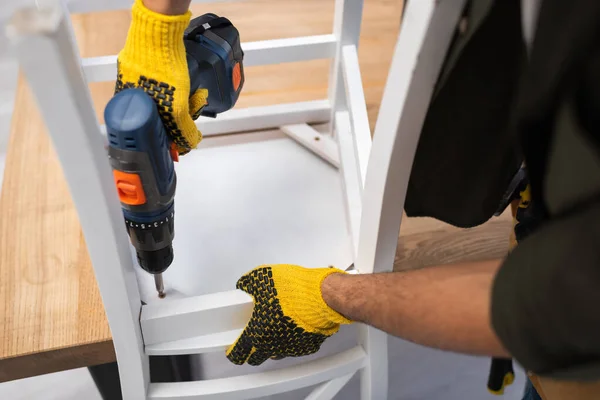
(139, 152)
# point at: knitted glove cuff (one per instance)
(301, 298)
(155, 41)
(329, 313)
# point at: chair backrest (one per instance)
(374, 176)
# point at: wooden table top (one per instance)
(50, 305)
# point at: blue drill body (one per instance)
(139, 151)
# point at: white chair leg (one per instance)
(347, 19)
(47, 55)
(427, 29)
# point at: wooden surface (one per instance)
(50, 306)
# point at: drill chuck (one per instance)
(155, 261)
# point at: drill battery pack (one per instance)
(215, 61)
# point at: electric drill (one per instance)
(140, 152)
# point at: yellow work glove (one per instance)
(154, 59)
(290, 317)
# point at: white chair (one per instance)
(197, 317)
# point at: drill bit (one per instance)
(160, 287)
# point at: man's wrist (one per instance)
(168, 7)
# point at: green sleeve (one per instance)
(546, 297)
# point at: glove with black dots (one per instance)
(154, 60)
(290, 317)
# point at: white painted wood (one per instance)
(357, 109)
(266, 117)
(276, 51)
(263, 383)
(327, 390)
(350, 177)
(323, 146)
(212, 141)
(427, 29)
(246, 120)
(374, 377)
(424, 38)
(229, 138)
(43, 37)
(176, 319)
(196, 345)
(347, 19)
(239, 205)
(100, 69)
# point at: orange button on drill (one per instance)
(174, 152)
(129, 187)
(236, 78)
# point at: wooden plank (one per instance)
(426, 242)
(60, 359)
(49, 302)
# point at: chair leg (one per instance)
(106, 378)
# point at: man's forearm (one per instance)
(446, 307)
(168, 7)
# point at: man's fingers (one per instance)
(258, 358)
(187, 136)
(252, 281)
(239, 352)
(198, 100)
(243, 284)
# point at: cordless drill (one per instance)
(140, 152)
(145, 177)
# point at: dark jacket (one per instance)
(495, 107)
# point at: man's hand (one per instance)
(290, 318)
(154, 59)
